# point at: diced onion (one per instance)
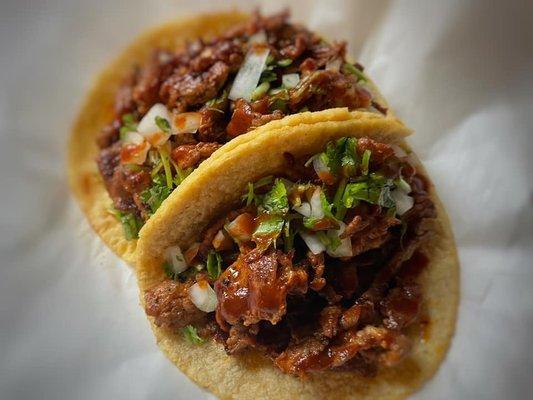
(290, 80)
(187, 122)
(313, 242)
(132, 138)
(258, 37)
(322, 170)
(345, 248)
(403, 201)
(304, 209)
(203, 296)
(398, 151)
(147, 124)
(248, 76)
(241, 228)
(316, 205)
(131, 153)
(334, 65)
(174, 256)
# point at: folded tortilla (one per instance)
(97, 111)
(215, 187)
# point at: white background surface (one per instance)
(459, 73)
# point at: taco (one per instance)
(181, 91)
(312, 261)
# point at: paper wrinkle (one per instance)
(458, 73)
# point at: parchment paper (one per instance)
(459, 73)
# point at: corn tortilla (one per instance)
(96, 112)
(215, 187)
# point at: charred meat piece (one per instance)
(169, 304)
(255, 288)
(190, 155)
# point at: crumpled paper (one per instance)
(458, 73)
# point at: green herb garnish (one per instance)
(268, 76)
(214, 265)
(365, 162)
(166, 166)
(276, 200)
(163, 124)
(348, 68)
(191, 335)
(260, 91)
(285, 62)
(154, 196)
(131, 224)
(374, 189)
(128, 125)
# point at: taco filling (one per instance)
(173, 112)
(316, 269)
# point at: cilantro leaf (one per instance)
(374, 189)
(276, 200)
(285, 62)
(348, 68)
(214, 265)
(131, 224)
(365, 162)
(163, 124)
(191, 335)
(156, 194)
(128, 125)
(270, 227)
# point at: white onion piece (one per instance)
(132, 153)
(188, 122)
(248, 76)
(132, 138)
(241, 228)
(147, 124)
(334, 65)
(313, 242)
(322, 170)
(258, 37)
(290, 80)
(316, 205)
(345, 248)
(203, 296)
(174, 256)
(398, 151)
(403, 201)
(148, 127)
(304, 209)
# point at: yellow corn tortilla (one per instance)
(97, 111)
(216, 187)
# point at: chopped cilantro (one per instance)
(285, 62)
(250, 196)
(365, 162)
(154, 195)
(341, 154)
(374, 189)
(268, 76)
(340, 209)
(191, 335)
(260, 91)
(128, 125)
(130, 223)
(276, 200)
(270, 227)
(166, 166)
(163, 124)
(214, 265)
(348, 68)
